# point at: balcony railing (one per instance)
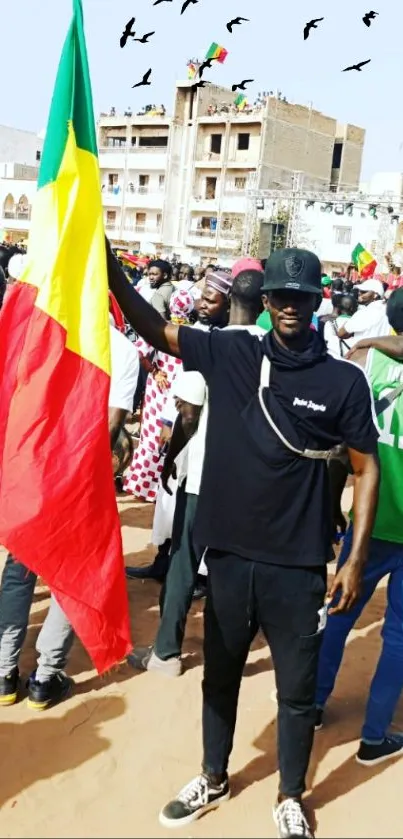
(111, 225)
(205, 197)
(142, 228)
(202, 231)
(223, 232)
(114, 149)
(152, 149)
(133, 149)
(17, 214)
(238, 192)
(111, 190)
(208, 155)
(145, 190)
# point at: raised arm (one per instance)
(142, 317)
(391, 345)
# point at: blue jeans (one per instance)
(387, 684)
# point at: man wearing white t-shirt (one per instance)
(124, 375)
(370, 321)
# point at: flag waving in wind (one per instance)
(58, 512)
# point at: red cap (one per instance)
(247, 263)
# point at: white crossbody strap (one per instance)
(265, 382)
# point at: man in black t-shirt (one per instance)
(277, 407)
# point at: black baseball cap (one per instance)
(294, 269)
(394, 310)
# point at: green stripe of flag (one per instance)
(71, 102)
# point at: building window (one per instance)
(38, 156)
(161, 181)
(153, 142)
(243, 142)
(159, 220)
(134, 141)
(342, 235)
(113, 183)
(111, 218)
(23, 207)
(143, 183)
(140, 221)
(240, 183)
(215, 143)
(116, 142)
(211, 185)
(337, 152)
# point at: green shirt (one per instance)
(384, 374)
(264, 320)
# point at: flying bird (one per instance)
(161, 1)
(368, 17)
(145, 79)
(206, 64)
(358, 66)
(127, 32)
(187, 3)
(234, 22)
(311, 25)
(241, 86)
(202, 83)
(144, 39)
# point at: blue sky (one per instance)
(269, 49)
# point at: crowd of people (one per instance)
(252, 418)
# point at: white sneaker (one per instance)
(291, 820)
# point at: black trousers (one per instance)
(177, 590)
(284, 602)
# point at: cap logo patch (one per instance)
(292, 285)
(293, 265)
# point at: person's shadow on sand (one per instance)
(43, 748)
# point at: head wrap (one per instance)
(190, 386)
(220, 281)
(186, 284)
(17, 265)
(247, 263)
(181, 303)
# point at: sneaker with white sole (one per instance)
(144, 658)
(291, 820)
(193, 801)
(369, 754)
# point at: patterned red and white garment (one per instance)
(143, 476)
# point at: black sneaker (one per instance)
(42, 695)
(9, 687)
(370, 754)
(319, 719)
(291, 820)
(193, 800)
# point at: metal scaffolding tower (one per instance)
(294, 208)
(387, 207)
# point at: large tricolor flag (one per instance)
(58, 511)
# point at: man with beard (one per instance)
(213, 312)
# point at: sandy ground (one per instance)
(104, 762)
